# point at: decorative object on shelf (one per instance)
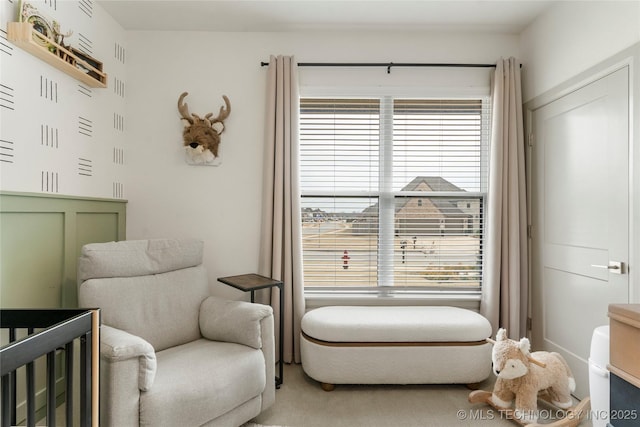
(85, 63)
(41, 23)
(201, 136)
(42, 37)
(23, 35)
(58, 37)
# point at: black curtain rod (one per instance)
(387, 64)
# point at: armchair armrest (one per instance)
(117, 345)
(245, 323)
(233, 321)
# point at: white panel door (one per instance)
(580, 217)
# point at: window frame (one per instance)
(445, 294)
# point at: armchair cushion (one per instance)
(117, 345)
(201, 381)
(161, 308)
(149, 288)
(137, 258)
(233, 321)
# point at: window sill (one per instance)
(469, 299)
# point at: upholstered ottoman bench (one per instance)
(395, 345)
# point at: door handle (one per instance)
(616, 267)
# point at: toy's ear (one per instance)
(501, 335)
(185, 122)
(218, 127)
(525, 346)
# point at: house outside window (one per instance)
(393, 192)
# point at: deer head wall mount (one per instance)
(201, 136)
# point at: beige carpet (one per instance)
(300, 402)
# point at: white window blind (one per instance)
(393, 191)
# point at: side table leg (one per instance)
(279, 379)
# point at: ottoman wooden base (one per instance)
(388, 354)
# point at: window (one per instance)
(393, 192)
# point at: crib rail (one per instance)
(61, 328)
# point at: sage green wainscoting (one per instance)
(41, 237)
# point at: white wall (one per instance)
(562, 48)
(573, 36)
(41, 147)
(222, 205)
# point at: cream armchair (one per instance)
(170, 354)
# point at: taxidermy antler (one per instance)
(202, 135)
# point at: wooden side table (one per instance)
(252, 283)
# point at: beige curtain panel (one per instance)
(281, 235)
(505, 289)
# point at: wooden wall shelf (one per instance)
(70, 61)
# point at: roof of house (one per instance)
(434, 183)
